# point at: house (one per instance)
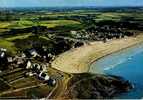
(23, 55)
(2, 49)
(20, 61)
(74, 32)
(2, 54)
(3, 59)
(33, 52)
(47, 79)
(50, 55)
(30, 53)
(10, 59)
(29, 65)
(51, 82)
(36, 67)
(44, 76)
(44, 68)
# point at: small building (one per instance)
(36, 66)
(10, 59)
(33, 52)
(2, 54)
(47, 79)
(74, 32)
(3, 49)
(20, 61)
(44, 68)
(29, 65)
(23, 55)
(51, 82)
(3, 59)
(44, 76)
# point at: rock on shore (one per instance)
(91, 86)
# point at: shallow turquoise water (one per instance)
(128, 64)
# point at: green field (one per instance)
(27, 23)
(8, 45)
(8, 41)
(54, 23)
(72, 20)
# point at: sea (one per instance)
(127, 63)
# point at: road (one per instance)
(60, 87)
(57, 91)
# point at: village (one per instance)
(31, 40)
(23, 67)
(36, 61)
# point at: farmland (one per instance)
(38, 36)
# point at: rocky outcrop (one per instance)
(89, 86)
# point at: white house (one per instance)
(2, 54)
(44, 76)
(10, 59)
(29, 65)
(2, 49)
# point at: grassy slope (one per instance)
(8, 45)
(18, 37)
(7, 42)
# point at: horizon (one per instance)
(69, 3)
(80, 7)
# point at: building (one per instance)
(10, 59)
(44, 76)
(30, 53)
(2, 49)
(2, 52)
(47, 79)
(33, 52)
(3, 59)
(29, 65)
(51, 82)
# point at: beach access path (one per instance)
(78, 60)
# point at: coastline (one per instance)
(134, 45)
(78, 60)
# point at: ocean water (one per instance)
(127, 63)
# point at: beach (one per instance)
(78, 60)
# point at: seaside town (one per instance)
(47, 52)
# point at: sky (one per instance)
(69, 3)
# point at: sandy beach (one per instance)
(79, 59)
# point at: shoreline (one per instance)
(78, 60)
(114, 52)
